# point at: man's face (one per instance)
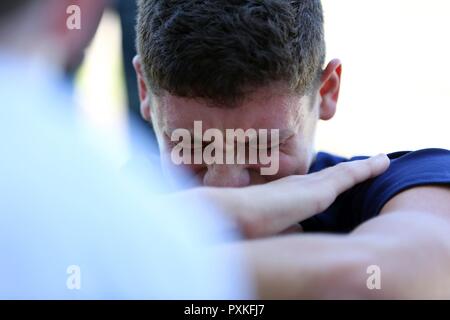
(270, 107)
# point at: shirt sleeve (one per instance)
(407, 170)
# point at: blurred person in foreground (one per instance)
(72, 228)
(260, 65)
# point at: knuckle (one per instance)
(323, 203)
(250, 227)
(349, 171)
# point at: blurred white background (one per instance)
(395, 89)
(396, 86)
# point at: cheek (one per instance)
(289, 165)
(166, 158)
(189, 175)
(297, 164)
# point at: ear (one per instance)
(144, 95)
(329, 89)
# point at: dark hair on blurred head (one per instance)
(221, 49)
(8, 7)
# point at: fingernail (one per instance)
(380, 158)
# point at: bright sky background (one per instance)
(395, 91)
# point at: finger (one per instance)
(347, 174)
(297, 228)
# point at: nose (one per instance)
(226, 175)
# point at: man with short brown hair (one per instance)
(259, 64)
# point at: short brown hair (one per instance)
(220, 49)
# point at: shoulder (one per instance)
(408, 169)
(324, 160)
(423, 157)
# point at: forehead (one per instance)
(266, 108)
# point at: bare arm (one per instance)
(409, 241)
(271, 208)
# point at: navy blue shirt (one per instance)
(366, 200)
